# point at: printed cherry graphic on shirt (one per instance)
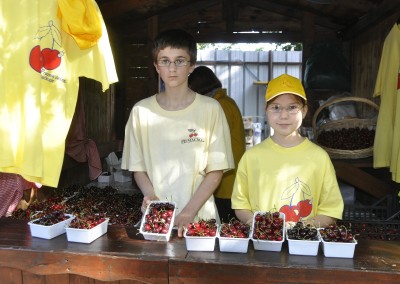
(303, 208)
(52, 58)
(36, 58)
(290, 213)
(48, 58)
(192, 133)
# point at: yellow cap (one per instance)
(284, 84)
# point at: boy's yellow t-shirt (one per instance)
(178, 148)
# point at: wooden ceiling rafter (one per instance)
(291, 11)
(230, 19)
(372, 18)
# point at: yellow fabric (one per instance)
(236, 127)
(284, 84)
(80, 19)
(299, 181)
(39, 69)
(387, 135)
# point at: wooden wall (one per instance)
(365, 57)
(140, 77)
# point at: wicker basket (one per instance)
(345, 123)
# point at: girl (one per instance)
(287, 172)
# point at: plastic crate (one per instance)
(49, 232)
(265, 244)
(382, 209)
(157, 236)
(87, 235)
(337, 249)
(200, 243)
(374, 230)
(362, 212)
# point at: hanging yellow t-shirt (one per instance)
(40, 66)
(387, 136)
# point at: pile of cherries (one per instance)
(158, 218)
(347, 138)
(87, 222)
(51, 218)
(268, 226)
(337, 233)
(301, 231)
(234, 229)
(374, 230)
(202, 228)
(120, 208)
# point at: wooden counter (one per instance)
(123, 256)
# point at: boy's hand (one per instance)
(182, 221)
(146, 202)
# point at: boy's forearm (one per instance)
(204, 191)
(144, 183)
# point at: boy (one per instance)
(287, 172)
(177, 142)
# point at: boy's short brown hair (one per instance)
(175, 38)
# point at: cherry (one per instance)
(337, 233)
(268, 225)
(202, 228)
(301, 231)
(234, 229)
(158, 219)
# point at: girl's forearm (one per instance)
(244, 215)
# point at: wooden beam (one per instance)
(228, 8)
(250, 38)
(117, 7)
(371, 18)
(292, 11)
(362, 180)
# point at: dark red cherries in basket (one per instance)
(337, 233)
(301, 231)
(234, 229)
(158, 218)
(52, 218)
(268, 226)
(87, 221)
(202, 228)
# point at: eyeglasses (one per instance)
(292, 109)
(177, 62)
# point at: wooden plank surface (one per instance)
(374, 261)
